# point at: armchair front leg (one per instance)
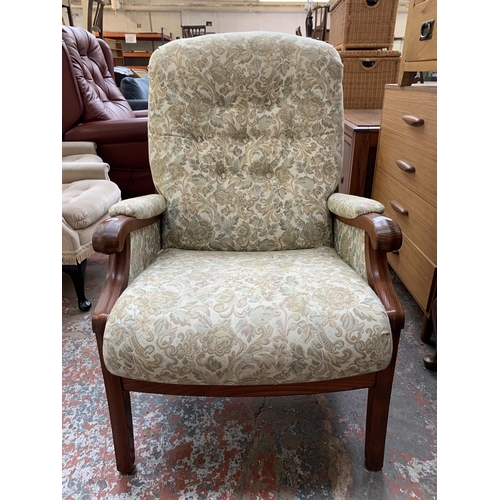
(113, 237)
(382, 235)
(360, 216)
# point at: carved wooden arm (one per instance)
(112, 237)
(382, 235)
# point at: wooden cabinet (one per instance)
(420, 42)
(361, 130)
(405, 183)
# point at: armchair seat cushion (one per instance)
(247, 318)
(86, 201)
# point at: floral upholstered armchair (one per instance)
(247, 275)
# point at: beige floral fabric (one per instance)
(349, 243)
(350, 206)
(142, 207)
(239, 318)
(145, 244)
(246, 140)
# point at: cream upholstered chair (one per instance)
(246, 275)
(87, 195)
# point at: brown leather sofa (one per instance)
(94, 110)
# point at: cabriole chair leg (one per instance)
(77, 275)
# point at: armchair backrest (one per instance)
(88, 81)
(246, 140)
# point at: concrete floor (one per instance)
(307, 447)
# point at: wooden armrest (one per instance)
(110, 235)
(383, 233)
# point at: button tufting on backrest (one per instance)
(101, 97)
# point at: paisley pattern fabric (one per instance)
(145, 244)
(350, 206)
(142, 207)
(239, 318)
(246, 140)
(349, 243)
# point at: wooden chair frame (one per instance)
(67, 5)
(320, 22)
(112, 237)
(95, 24)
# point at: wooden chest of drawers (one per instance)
(405, 183)
(420, 42)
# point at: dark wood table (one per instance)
(361, 130)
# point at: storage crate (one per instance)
(363, 24)
(366, 72)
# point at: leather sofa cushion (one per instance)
(84, 202)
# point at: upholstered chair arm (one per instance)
(133, 231)
(350, 206)
(78, 148)
(79, 171)
(142, 207)
(132, 244)
(362, 237)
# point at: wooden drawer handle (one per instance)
(405, 166)
(414, 121)
(400, 209)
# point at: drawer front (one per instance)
(410, 113)
(420, 220)
(417, 49)
(414, 269)
(412, 167)
(408, 137)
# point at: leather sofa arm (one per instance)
(110, 131)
